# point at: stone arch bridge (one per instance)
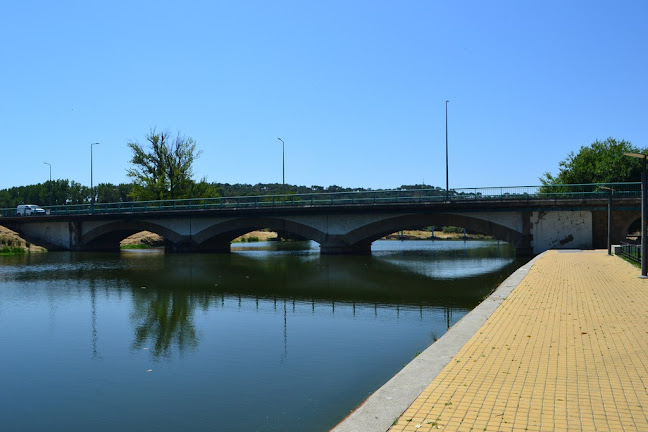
(530, 225)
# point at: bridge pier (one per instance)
(524, 246)
(525, 251)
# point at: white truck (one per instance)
(29, 210)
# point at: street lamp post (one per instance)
(446, 130)
(92, 195)
(644, 214)
(283, 162)
(50, 182)
(609, 233)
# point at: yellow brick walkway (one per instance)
(566, 351)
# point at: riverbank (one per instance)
(11, 243)
(559, 346)
(438, 235)
(147, 239)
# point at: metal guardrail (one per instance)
(630, 251)
(324, 199)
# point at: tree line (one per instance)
(600, 162)
(162, 169)
(66, 192)
(63, 192)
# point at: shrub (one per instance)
(13, 250)
(452, 230)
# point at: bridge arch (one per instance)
(219, 236)
(108, 236)
(361, 238)
(215, 238)
(626, 226)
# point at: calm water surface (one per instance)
(272, 337)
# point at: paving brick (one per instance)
(567, 350)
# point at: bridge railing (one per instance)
(630, 251)
(573, 191)
(323, 199)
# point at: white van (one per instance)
(29, 210)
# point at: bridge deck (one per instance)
(566, 350)
(126, 211)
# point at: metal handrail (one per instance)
(630, 251)
(361, 197)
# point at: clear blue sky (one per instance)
(356, 89)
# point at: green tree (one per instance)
(601, 162)
(109, 193)
(163, 169)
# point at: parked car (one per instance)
(29, 210)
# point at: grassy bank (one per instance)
(149, 240)
(256, 236)
(438, 235)
(142, 240)
(12, 244)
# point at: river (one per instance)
(272, 337)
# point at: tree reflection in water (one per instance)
(164, 320)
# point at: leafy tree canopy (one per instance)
(601, 162)
(164, 168)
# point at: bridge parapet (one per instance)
(357, 198)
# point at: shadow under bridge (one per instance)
(335, 233)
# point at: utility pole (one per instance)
(447, 178)
(92, 194)
(283, 163)
(50, 182)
